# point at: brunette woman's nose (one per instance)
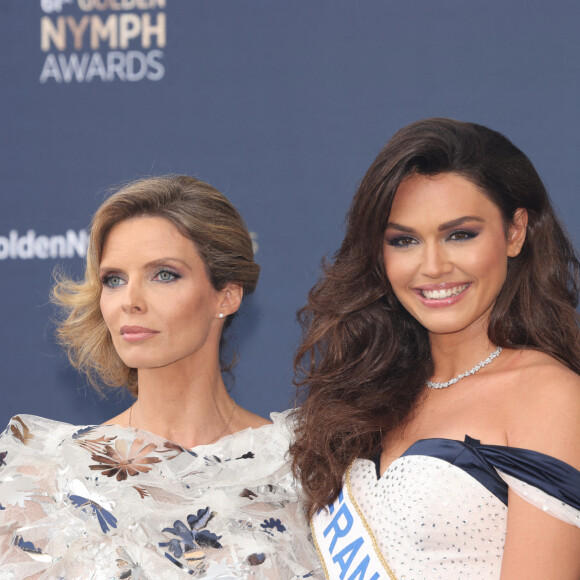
(435, 261)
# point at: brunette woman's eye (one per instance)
(462, 235)
(401, 241)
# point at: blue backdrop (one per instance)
(280, 104)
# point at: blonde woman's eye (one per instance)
(112, 281)
(166, 276)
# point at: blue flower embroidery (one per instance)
(212, 460)
(82, 432)
(26, 546)
(272, 524)
(191, 537)
(105, 518)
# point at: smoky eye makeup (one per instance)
(398, 236)
(463, 235)
(400, 240)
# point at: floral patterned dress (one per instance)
(111, 502)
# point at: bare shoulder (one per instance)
(538, 377)
(544, 401)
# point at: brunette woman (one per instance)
(440, 367)
(184, 482)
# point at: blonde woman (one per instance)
(185, 481)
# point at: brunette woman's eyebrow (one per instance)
(447, 225)
(460, 221)
(400, 227)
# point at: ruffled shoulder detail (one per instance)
(544, 481)
(38, 432)
(548, 483)
(268, 443)
(273, 438)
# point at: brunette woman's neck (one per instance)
(456, 353)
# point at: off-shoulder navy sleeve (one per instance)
(548, 474)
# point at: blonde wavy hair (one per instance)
(201, 213)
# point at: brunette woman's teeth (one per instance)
(446, 293)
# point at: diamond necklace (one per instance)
(476, 368)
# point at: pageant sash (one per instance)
(345, 543)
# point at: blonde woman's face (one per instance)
(156, 299)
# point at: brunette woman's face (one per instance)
(157, 300)
(446, 251)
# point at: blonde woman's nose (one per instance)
(134, 298)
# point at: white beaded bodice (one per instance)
(432, 520)
(439, 512)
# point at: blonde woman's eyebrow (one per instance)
(152, 264)
(167, 260)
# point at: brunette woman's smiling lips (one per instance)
(441, 295)
(137, 333)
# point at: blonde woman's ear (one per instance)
(230, 300)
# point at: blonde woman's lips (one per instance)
(137, 333)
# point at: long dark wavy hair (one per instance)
(364, 359)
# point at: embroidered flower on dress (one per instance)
(256, 559)
(120, 462)
(248, 493)
(248, 455)
(272, 524)
(90, 507)
(95, 445)
(33, 552)
(128, 568)
(141, 490)
(191, 539)
(26, 546)
(84, 431)
(171, 447)
(23, 436)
